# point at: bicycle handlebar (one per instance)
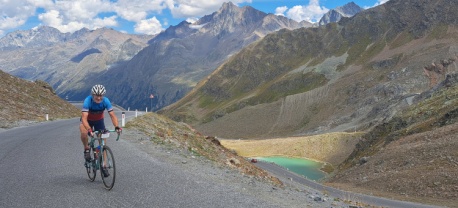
(96, 132)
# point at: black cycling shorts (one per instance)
(98, 125)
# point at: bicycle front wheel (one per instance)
(108, 168)
(91, 167)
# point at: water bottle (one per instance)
(97, 150)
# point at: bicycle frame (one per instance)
(98, 137)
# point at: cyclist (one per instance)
(92, 118)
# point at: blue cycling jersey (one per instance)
(95, 110)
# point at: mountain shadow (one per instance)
(83, 54)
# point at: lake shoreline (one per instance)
(310, 169)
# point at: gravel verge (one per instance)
(292, 194)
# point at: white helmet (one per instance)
(98, 90)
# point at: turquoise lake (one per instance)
(308, 168)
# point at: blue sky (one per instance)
(145, 16)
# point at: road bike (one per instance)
(101, 161)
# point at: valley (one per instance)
(372, 95)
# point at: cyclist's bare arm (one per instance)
(113, 117)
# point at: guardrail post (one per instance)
(123, 120)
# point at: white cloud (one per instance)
(379, 2)
(76, 14)
(149, 26)
(42, 3)
(14, 13)
(311, 12)
(104, 22)
(72, 15)
(131, 15)
(196, 8)
(281, 10)
(11, 22)
(192, 20)
(138, 10)
(51, 18)
(192, 26)
(165, 22)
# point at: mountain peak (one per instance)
(351, 4)
(230, 16)
(349, 9)
(334, 15)
(228, 6)
(38, 37)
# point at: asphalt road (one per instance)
(42, 166)
(366, 199)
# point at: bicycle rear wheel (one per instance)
(107, 162)
(91, 167)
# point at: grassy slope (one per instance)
(30, 101)
(162, 130)
(383, 52)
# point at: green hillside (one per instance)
(27, 101)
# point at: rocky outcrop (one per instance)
(45, 85)
(437, 71)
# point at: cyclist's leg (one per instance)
(100, 127)
(84, 140)
(83, 132)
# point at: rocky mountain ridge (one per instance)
(332, 78)
(182, 55)
(65, 60)
(38, 37)
(334, 15)
(176, 59)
